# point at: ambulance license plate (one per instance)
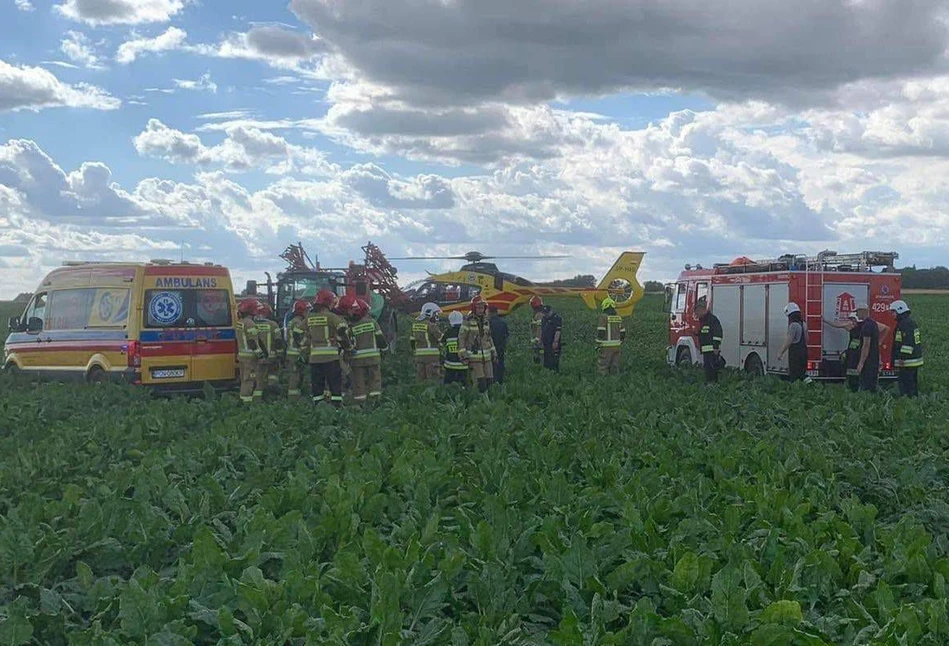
(175, 373)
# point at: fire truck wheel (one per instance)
(753, 366)
(683, 358)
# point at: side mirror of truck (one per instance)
(14, 324)
(34, 325)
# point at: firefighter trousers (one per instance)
(609, 361)
(908, 381)
(248, 375)
(499, 369)
(327, 376)
(295, 373)
(712, 366)
(456, 376)
(428, 368)
(367, 382)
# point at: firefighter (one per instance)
(610, 335)
(298, 349)
(368, 345)
(327, 334)
(907, 350)
(710, 341)
(456, 370)
(499, 334)
(537, 305)
(249, 352)
(550, 337)
(268, 335)
(341, 307)
(426, 340)
(795, 344)
(475, 345)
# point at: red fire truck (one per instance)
(749, 297)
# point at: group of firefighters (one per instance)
(339, 340)
(861, 358)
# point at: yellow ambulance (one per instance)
(160, 324)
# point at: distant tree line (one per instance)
(23, 298)
(581, 280)
(654, 286)
(931, 278)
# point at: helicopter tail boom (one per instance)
(620, 283)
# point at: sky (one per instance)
(693, 130)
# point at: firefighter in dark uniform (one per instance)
(710, 341)
(795, 345)
(907, 350)
(456, 370)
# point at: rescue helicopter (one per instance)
(454, 290)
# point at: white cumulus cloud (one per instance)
(120, 12)
(203, 83)
(78, 48)
(33, 88)
(171, 39)
(24, 5)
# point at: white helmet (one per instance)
(900, 307)
(428, 310)
(791, 308)
(456, 318)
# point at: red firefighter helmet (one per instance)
(345, 304)
(264, 309)
(536, 302)
(476, 301)
(247, 306)
(300, 308)
(324, 298)
(359, 308)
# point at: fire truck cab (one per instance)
(749, 296)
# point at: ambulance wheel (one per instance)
(96, 375)
(13, 369)
(753, 366)
(683, 358)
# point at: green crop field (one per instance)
(563, 509)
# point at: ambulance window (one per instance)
(682, 290)
(212, 308)
(36, 309)
(165, 308)
(70, 309)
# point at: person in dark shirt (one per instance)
(869, 365)
(499, 334)
(550, 332)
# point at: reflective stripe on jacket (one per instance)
(611, 332)
(368, 342)
(907, 344)
(425, 339)
(327, 333)
(246, 331)
(474, 340)
(710, 334)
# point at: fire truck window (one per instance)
(682, 290)
(701, 291)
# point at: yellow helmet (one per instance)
(607, 303)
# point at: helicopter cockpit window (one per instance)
(452, 292)
(431, 291)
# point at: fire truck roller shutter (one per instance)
(726, 305)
